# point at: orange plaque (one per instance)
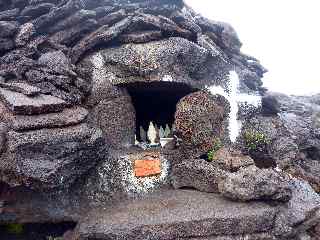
(147, 168)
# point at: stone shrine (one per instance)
(122, 120)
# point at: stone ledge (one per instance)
(174, 215)
(68, 117)
(20, 104)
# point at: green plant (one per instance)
(215, 147)
(14, 228)
(255, 140)
(54, 238)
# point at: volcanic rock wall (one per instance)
(31, 32)
(50, 54)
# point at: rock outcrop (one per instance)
(300, 213)
(293, 134)
(231, 160)
(197, 174)
(253, 183)
(49, 158)
(201, 119)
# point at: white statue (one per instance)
(161, 132)
(167, 131)
(143, 135)
(152, 134)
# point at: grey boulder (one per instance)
(300, 214)
(231, 159)
(56, 61)
(201, 120)
(116, 118)
(198, 174)
(270, 105)
(10, 14)
(51, 158)
(253, 183)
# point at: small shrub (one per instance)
(215, 147)
(255, 140)
(14, 228)
(54, 238)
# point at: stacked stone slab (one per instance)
(46, 144)
(30, 32)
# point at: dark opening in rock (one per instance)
(156, 102)
(312, 152)
(35, 231)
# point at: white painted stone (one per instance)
(134, 185)
(234, 98)
(167, 78)
(165, 141)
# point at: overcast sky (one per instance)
(283, 34)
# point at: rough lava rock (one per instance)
(207, 176)
(293, 133)
(301, 213)
(252, 183)
(21, 87)
(50, 158)
(180, 59)
(116, 118)
(6, 44)
(201, 119)
(270, 105)
(182, 214)
(8, 29)
(231, 160)
(67, 117)
(198, 174)
(21, 104)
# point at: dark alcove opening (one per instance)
(35, 231)
(156, 102)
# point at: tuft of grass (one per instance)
(215, 147)
(255, 140)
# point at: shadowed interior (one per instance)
(156, 102)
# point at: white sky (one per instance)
(283, 34)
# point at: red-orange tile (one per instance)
(147, 168)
